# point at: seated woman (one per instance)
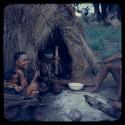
(115, 70)
(47, 71)
(26, 79)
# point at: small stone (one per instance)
(74, 114)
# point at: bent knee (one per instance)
(109, 66)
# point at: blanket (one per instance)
(19, 107)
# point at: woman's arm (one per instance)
(35, 78)
(112, 58)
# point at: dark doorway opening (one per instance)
(57, 39)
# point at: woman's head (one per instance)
(46, 53)
(21, 60)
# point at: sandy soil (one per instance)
(57, 107)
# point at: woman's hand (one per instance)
(18, 88)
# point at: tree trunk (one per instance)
(97, 12)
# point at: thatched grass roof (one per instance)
(27, 27)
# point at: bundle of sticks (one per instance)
(57, 61)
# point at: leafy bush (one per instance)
(97, 45)
(102, 38)
(109, 53)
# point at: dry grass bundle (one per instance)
(27, 27)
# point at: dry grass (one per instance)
(27, 27)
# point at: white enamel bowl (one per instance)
(75, 86)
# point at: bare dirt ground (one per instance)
(57, 107)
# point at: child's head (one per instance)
(21, 60)
(11, 76)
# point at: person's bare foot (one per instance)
(90, 85)
(94, 89)
(90, 82)
(57, 89)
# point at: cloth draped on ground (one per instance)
(19, 107)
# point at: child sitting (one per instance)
(26, 78)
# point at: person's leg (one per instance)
(56, 87)
(64, 82)
(103, 73)
(118, 80)
(117, 76)
(119, 91)
(115, 73)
